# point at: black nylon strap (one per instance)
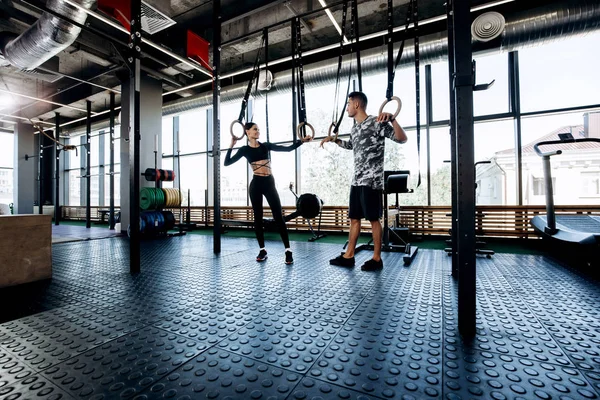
(355, 34)
(415, 18)
(335, 115)
(391, 64)
(266, 40)
(300, 69)
(249, 87)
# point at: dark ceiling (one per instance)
(95, 55)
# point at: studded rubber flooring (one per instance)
(196, 326)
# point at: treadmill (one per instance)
(579, 229)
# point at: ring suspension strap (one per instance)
(336, 117)
(249, 87)
(411, 15)
(266, 42)
(356, 36)
(390, 62)
(415, 18)
(300, 82)
(294, 88)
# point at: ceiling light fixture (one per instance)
(44, 101)
(333, 21)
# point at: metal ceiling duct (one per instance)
(523, 29)
(47, 37)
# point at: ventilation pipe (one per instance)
(523, 29)
(47, 37)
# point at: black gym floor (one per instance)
(194, 325)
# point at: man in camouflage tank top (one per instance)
(367, 142)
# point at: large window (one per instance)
(495, 99)
(574, 172)
(590, 183)
(284, 172)
(440, 91)
(6, 167)
(561, 74)
(496, 181)
(192, 132)
(166, 135)
(280, 117)
(234, 183)
(193, 178)
(441, 189)
(327, 172)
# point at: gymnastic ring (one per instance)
(299, 130)
(387, 101)
(231, 129)
(329, 132)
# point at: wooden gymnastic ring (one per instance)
(231, 129)
(329, 132)
(299, 130)
(387, 101)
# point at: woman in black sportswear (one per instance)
(263, 184)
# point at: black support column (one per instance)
(88, 168)
(57, 171)
(429, 111)
(41, 173)
(515, 108)
(134, 135)
(217, 124)
(465, 166)
(111, 132)
(454, 183)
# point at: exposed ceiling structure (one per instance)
(90, 66)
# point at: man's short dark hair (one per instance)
(360, 97)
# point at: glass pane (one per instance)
(280, 117)
(95, 186)
(441, 189)
(74, 188)
(95, 150)
(6, 149)
(440, 91)
(6, 185)
(192, 132)
(234, 183)
(167, 135)
(496, 181)
(404, 87)
(117, 187)
(495, 99)
(560, 74)
(574, 172)
(74, 155)
(326, 172)
(283, 165)
(320, 109)
(405, 157)
(193, 177)
(117, 150)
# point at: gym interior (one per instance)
(128, 245)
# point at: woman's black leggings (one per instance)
(265, 185)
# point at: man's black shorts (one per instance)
(365, 202)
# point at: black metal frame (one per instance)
(464, 148)
(57, 171)
(216, 153)
(88, 167)
(133, 62)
